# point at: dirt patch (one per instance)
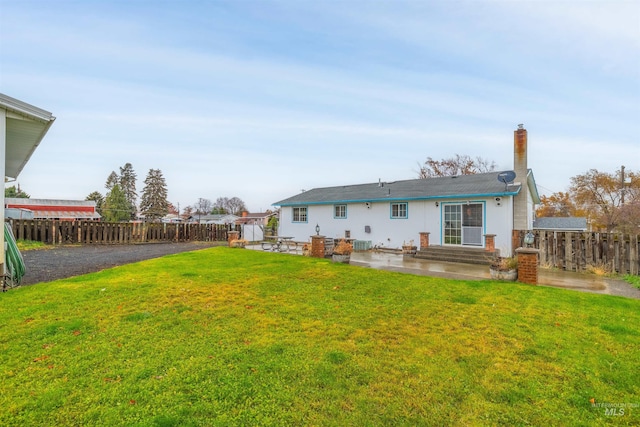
(60, 262)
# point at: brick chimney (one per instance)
(245, 214)
(521, 220)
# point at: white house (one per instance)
(456, 211)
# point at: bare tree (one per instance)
(605, 196)
(232, 205)
(235, 205)
(457, 165)
(220, 206)
(202, 207)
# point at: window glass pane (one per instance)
(340, 211)
(398, 210)
(472, 216)
(300, 214)
(452, 225)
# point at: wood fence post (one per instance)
(543, 247)
(568, 251)
(634, 263)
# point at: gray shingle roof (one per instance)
(478, 185)
(560, 223)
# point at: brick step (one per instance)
(453, 254)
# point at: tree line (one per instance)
(609, 200)
(120, 201)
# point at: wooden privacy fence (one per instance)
(576, 251)
(96, 232)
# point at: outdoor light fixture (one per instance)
(317, 230)
(528, 239)
(437, 204)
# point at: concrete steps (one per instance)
(456, 254)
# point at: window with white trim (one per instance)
(300, 214)
(399, 210)
(340, 211)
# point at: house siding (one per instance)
(385, 231)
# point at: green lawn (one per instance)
(27, 245)
(634, 280)
(238, 337)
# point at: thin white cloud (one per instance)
(379, 87)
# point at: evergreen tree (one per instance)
(98, 198)
(154, 204)
(116, 207)
(112, 180)
(15, 192)
(127, 182)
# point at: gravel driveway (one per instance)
(44, 265)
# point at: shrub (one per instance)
(343, 248)
(505, 263)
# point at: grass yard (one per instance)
(28, 245)
(634, 280)
(224, 337)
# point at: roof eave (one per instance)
(533, 188)
(24, 109)
(20, 110)
(35, 145)
(396, 199)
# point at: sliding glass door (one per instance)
(463, 224)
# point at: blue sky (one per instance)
(260, 99)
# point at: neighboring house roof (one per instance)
(26, 125)
(560, 223)
(46, 208)
(461, 186)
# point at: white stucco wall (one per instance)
(499, 221)
(423, 215)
